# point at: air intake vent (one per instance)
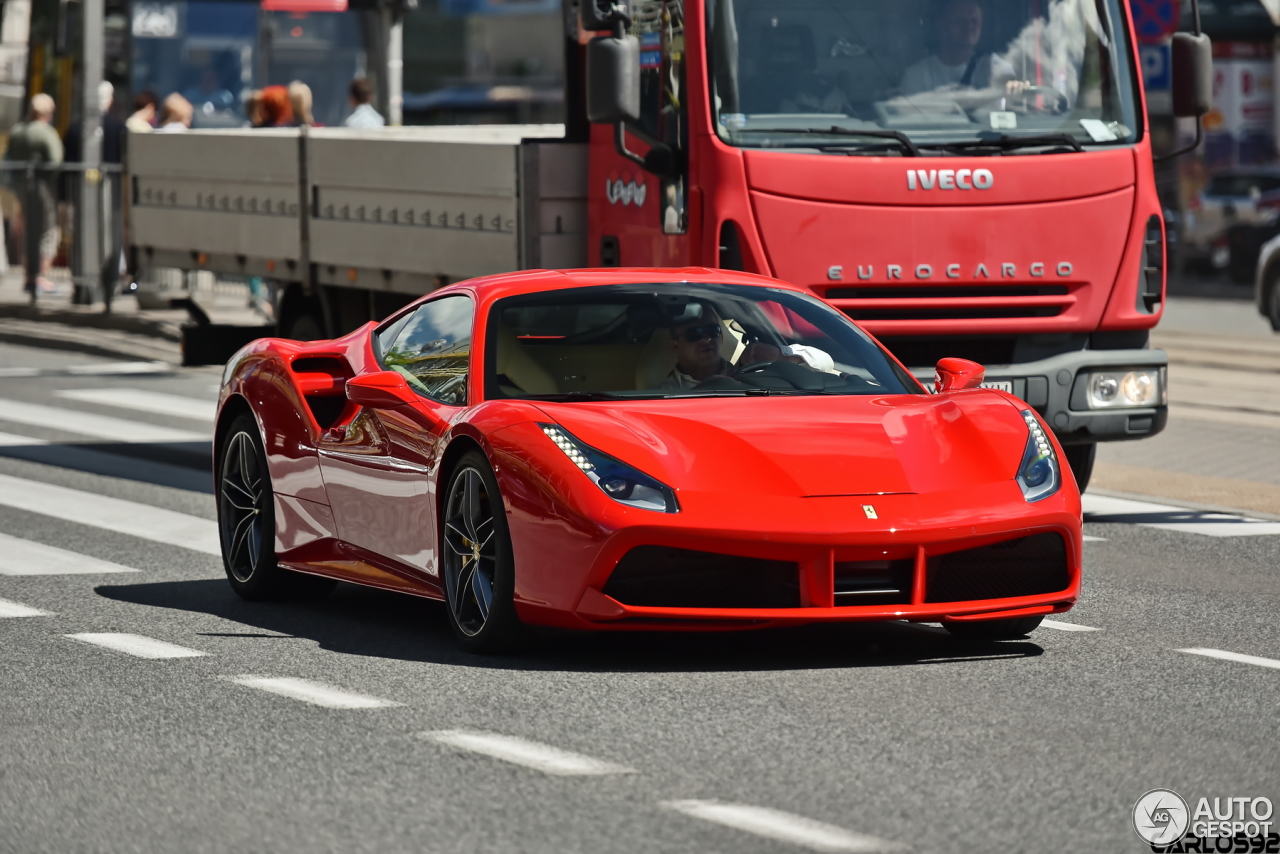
(1151, 281)
(1027, 566)
(873, 582)
(660, 577)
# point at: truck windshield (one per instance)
(966, 76)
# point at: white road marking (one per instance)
(142, 400)
(20, 372)
(89, 424)
(138, 646)
(9, 440)
(119, 368)
(1067, 627)
(1234, 656)
(114, 514)
(23, 557)
(1102, 508)
(540, 757)
(316, 693)
(782, 826)
(17, 609)
(1089, 539)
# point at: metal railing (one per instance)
(92, 192)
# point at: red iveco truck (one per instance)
(964, 178)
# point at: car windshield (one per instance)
(974, 76)
(680, 340)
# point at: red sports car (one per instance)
(640, 449)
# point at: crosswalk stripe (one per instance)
(10, 440)
(1104, 508)
(118, 368)
(17, 609)
(89, 424)
(315, 693)
(142, 400)
(782, 826)
(114, 514)
(1067, 627)
(7, 373)
(24, 557)
(138, 646)
(530, 754)
(1233, 656)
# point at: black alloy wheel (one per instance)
(476, 559)
(1006, 629)
(247, 523)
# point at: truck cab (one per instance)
(962, 178)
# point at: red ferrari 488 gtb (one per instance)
(640, 449)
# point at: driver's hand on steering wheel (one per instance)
(758, 351)
(1017, 87)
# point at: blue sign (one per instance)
(498, 7)
(1156, 73)
(1154, 20)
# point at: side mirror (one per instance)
(596, 15)
(1192, 60)
(381, 390)
(613, 79)
(950, 375)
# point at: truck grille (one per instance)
(924, 352)
(959, 302)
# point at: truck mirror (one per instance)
(613, 79)
(596, 15)
(1192, 74)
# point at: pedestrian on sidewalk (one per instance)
(276, 110)
(176, 115)
(300, 100)
(363, 115)
(35, 142)
(144, 113)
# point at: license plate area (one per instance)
(1001, 385)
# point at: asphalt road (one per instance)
(834, 738)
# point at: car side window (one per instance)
(432, 348)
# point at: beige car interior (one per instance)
(556, 368)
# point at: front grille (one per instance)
(948, 292)
(1026, 566)
(946, 312)
(661, 577)
(873, 582)
(922, 352)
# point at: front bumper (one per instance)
(1055, 387)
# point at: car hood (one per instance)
(808, 446)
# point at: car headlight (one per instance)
(1139, 387)
(615, 478)
(1039, 475)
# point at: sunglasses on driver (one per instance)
(694, 334)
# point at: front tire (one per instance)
(476, 559)
(1080, 460)
(247, 521)
(1007, 629)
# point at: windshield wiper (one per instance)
(909, 148)
(1007, 142)
(564, 397)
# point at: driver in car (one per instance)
(697, 347)
(957, 63)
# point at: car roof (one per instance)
(488, 288)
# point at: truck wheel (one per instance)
(1273, 298)
(1080, 461)
(304, 327)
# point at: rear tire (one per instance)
(1007, 629)
(1080, 460)
(247, 521)
(477, 565)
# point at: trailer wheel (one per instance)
(1272, 285)
(304, 327)
(300, 317)
(1080, 461)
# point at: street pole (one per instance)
(395, 67)
(88, 211)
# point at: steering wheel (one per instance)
(753, 368)
(1055, 102)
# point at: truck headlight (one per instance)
(1039, 476)
(1112, 389)
(615, 478)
